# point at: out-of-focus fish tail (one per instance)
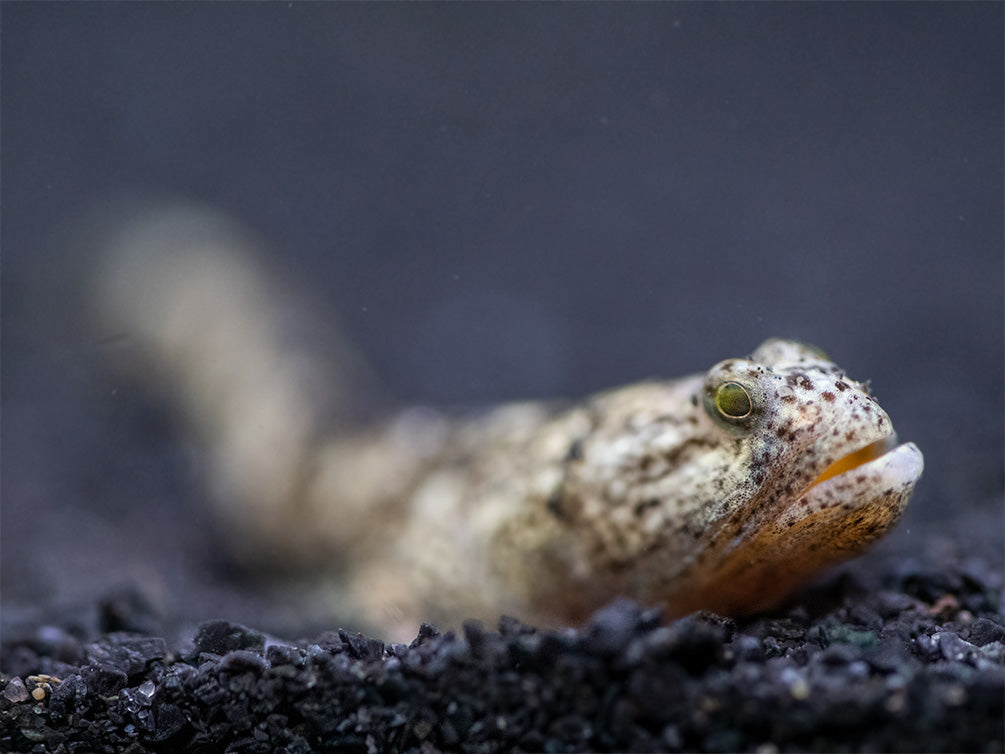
(256, 373)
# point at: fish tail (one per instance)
(251, 370)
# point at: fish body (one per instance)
(723, 490)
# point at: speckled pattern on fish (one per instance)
(723, 490)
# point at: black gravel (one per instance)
(906, 655)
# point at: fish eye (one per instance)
(732, 401)
(732, 405)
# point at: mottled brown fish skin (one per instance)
(644, 491)
(721, 491)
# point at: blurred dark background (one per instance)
(500, 201)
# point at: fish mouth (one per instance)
(857, 458)
(880, 469)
